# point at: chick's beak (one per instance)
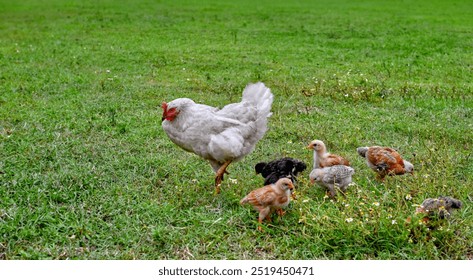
(311, 145)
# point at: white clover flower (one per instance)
(349, 220)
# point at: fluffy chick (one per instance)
(385, 161)
(441, 207)
(270, 197)
(280, 168)
(331, 177)
(324, 159)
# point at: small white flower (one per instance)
(108, 71)
(349, 220)
(305, 200)
(408, 197)
(347, 205)
(376, 203)
(233, 181)
(393, 222)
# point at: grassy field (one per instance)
(86, 171)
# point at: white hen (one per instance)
(220, 136)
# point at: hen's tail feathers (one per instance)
(260, 96)
(362, 151)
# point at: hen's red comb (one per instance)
(164, 105)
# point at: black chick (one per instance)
(280, 168)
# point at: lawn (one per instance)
(86, 171)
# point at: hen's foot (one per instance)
(219, 175)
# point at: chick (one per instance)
(385, 161)
(441, 207)
(281, 168)
(270, 197)
(322, 158)
(333, 176)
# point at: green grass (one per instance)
(86, 171)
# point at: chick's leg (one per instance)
(263, 214)
(280, 212)
(331, 190)
(219, 175)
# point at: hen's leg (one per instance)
(219, 175)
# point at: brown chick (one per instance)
(322, 158)
(385, 161)
(271, 197)
(442, 206)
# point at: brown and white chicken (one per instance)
(324, 159)
(220, 136)
(385, 161)
(271, 197)
(331, 177)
